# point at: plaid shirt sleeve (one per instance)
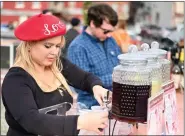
(107, 81)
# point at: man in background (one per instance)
(95, 50)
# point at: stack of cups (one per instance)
(83, 131)
(121, 128)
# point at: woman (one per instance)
(35, 82)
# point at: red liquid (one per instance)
(129, 102)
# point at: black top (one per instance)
(22, 98)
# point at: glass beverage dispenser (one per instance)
(131, 89)
(162, 55)
(155, 66)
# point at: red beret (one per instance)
(40, 27)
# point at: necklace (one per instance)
(60, 89)
(47, 86)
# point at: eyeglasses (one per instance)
(105, 31)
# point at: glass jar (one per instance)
(162, 58)
(153, 65)
(156, 71)
(164, 63)
(131, 89)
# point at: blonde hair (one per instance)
(24, 59)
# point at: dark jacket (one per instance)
(69, 36)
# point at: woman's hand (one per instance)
(100, 93)
(92, 121)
